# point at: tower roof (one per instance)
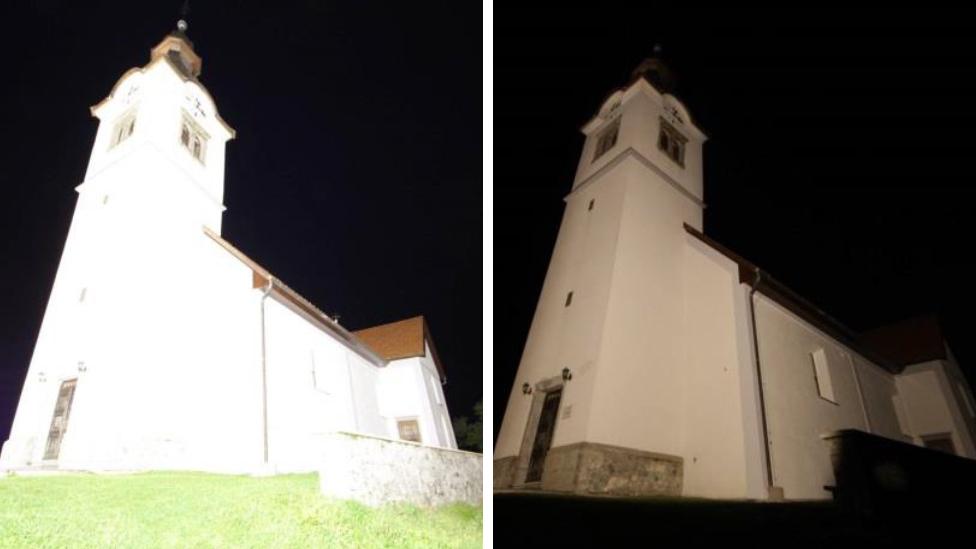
(656, 72)
(177, 48)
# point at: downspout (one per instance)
(762, 399)
(264, 369)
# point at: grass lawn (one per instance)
(163, 509)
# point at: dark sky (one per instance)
(356, 175)
(840, 159)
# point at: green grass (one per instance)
(203, 510)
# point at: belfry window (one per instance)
(123, 128)
(607, 139)
(193, 139)
(671, 142)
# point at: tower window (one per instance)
(607, 139)
(672, 143)
(569, 299)
(193, 139)
(123, 128)
(590, 208)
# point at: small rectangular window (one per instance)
(590, 208)
(607, 139)
(409, 429)
(569, 299)
(821, 370)
(671, 142)
(81, 298)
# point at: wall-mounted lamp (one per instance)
(526, 389)
(81, 366)
(41, 377)
(567, 375)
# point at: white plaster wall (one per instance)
(639, 378)
(569, 337)
(932, 407)
(406, 393)
(719, 423)
(797, 415)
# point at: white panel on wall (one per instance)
(822, 371)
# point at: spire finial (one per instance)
(184, 12)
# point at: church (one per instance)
(660, 362)
(163, 346)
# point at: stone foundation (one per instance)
(504, 472)
(375, 471)
(601, 469)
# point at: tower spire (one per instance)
(178, 48)
(655, 71)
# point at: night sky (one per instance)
(356, 175)
(840, 156)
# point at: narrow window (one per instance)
(591, 205)
(105, 200)
(607, 139)
(569, 299)
(123, 128)
(81, 298)
(821, 371)
(193, 138)
(433, 388)
(965, 399)
(409, 430)
(671, 142)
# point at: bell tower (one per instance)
(606, 342)
(155, 180)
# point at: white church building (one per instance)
(165, 347)
(660, 362)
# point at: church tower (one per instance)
(598, 391)
(154, 182)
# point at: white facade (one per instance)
(657, 328)
(187, 354)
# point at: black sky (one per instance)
(355, 176)
(840, 159)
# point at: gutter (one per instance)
(770, 488)
(264, 369)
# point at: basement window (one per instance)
(409, 430)
(821, 371)
(941, 442)
(607, 139)
(671, 142)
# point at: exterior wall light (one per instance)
(567, 375)
(41, 377)
(81, 366)
(526, 389)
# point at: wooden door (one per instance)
(543, 435)
(59, 423)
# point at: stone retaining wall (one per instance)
(375, 471)
(591, 468)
